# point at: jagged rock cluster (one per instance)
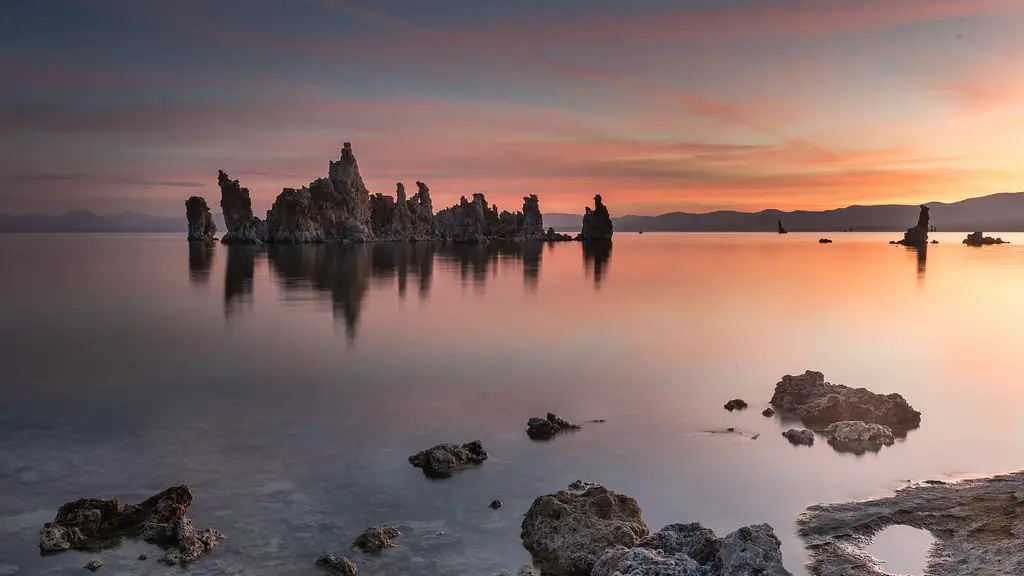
(201, 227)
(376, 538)
(548, 427)
(799, 437)
(818, 403)
(339, 208)
(979, 239)
(589, 529)
(91, 524)
(918, 235)
(443, 460)
(597, 223)
(859, 437)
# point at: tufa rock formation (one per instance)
(597, 223)
(735, 404)
(979, 239)
(201, 227)
(293, 219)
(338, 566)
(90, 524)
(443, 460)
(918, 235)
(858, 437)
(376, 538)
(242, 226)
(547, 428)
(799, 437)
(818, 403)
(781, 229)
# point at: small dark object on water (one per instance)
(730, 429)
(893, 242)
(755, 436)
(143, 557)
(93, 565)
(768, 413)
(736, 404)
(782, 229)
(640, 232)
(824, 241)
(798, 437)
(495, 504)
(376, 538)
(547, 428)
(935, 241)
(598, 421)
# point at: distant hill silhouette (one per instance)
(84, 221)
(998, 212)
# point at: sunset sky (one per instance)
(659, 105)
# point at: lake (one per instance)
(287, 386)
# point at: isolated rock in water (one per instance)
(337, 565)
(242, 226)
(495, 504)
(824, 241)
(533, 221)
(93, 565)
(768, 413)
(859, 437)
(376, 538)
(918, 235)
(547, 428)
(818, 403)
(696, 551)
(597, 223)
(293, 219)
(976, 525)
(736, 404)
(568, 531)
(443, 460)
(90, 524)
(979, 239)
(781, 229)
(201, 226)
(799, 437)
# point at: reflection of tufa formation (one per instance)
(339, 208)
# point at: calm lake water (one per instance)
(287, 386)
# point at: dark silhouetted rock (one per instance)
(768, 413)
(93, 565)
(342, 200)
(818, 403)
(547, 428)
(979, 239)
(781, 229)
(443, 460)
(242, 226)
(495, 504)
(567, 532)
(859, 437)
(143, 557)
(339, 566)
(934, 242)
(201, 227)
(798, 437)
(293, 219)
(466, 222)
(597, 223)
(376, 538)
(824, 241)
(90, 524)
(533, 221)
(736, 404)
(918, 235)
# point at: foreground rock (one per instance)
(568, 531)
(376, 538)
(818, 403)
(976, 525)
(859, 437)
(547, 428)
(918, 235)
(597, 223)
(799, 437)
(979, 239)
(201, 227)
(444, 460)
(337, 565)
(242, 226)
(91, 524)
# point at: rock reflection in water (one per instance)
(475, 261)
(200, 261)
(595, 257)
(238, 277)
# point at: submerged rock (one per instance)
(93, 565)
(736, 404)
(293, 219)
(201, 227)
(443, 460)
(547, 428)
(337, 565)
(979, 239)
(242, 226)
(91, 524)
(495, 504)
(799, 437)
(597, 223)
(568, 531)
(859, 437)
(376, 538)
(975, 523)
(918, 235)
(824, 241)
(818, 403)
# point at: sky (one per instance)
(658, 105)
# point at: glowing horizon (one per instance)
(658, 106)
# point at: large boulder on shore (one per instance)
(568, 531)
(293, 219)
(201, 227)
(597, 223)
(242, 226)
(819, 403)
(444, 460)
(90, 524)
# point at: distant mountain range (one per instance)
(995, 213)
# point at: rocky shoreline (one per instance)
(339, 208)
